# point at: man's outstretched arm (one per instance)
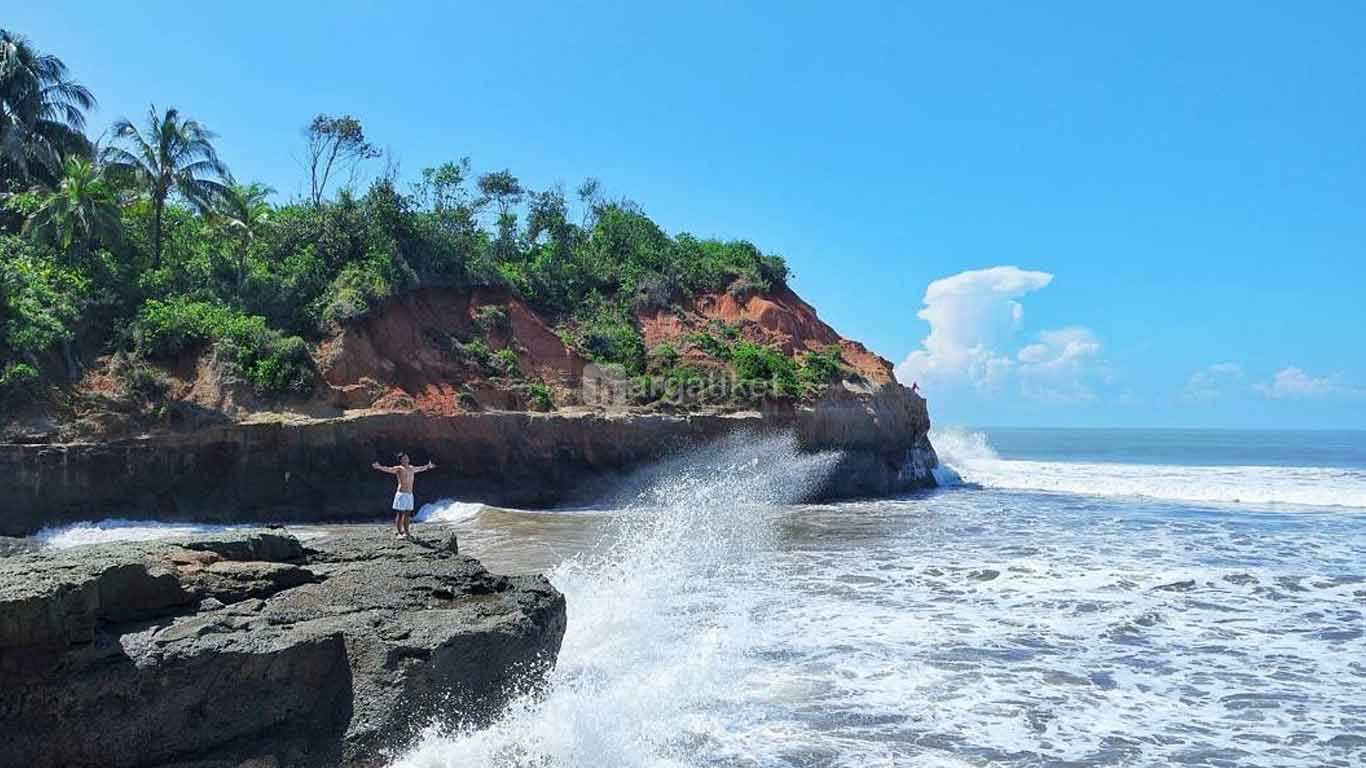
(384, 469)
(425, 467)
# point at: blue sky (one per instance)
(1180, 187)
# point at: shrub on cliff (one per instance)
(269, 360)
(622, 264)
(40, 301)
(164, 329)
(755, 363)
(492, 318)
(661, 358)
(539, 395)
(274, 363)
(18, 382)
(712, 265)
(360, 287)
(608, 334)
(654, 292)
(710, 344)
(41, 305)
(475, 351)
(505, 360)
(822, 367)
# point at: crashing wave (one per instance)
(970, 456)
(648, 644)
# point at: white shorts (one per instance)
(403, 502)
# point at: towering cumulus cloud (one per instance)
(976, 321)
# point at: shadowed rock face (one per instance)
(318, 470)
(217, 650)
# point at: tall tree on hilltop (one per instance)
(505, 191)
(502, 188)
(443, 188)
(548, 213)
(79, 212)
(335, 144)
(42, 114)
(243, 213)
(173, 155)
(590, 194)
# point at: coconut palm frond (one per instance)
(170, 154)
(80, 212)
(42, 114)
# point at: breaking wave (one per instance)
(651, 647)
(972, 457)
(118, 529)
(448, 511)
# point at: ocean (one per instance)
(1078, 598)
(1070, 598)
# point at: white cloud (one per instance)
(1064, 348)
(975, 320)
(1057, 368)
(1213, 381)
(1294, 384)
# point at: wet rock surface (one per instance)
(252, 646)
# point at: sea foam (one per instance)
(972, 457)
(448, 511)
(118, 529)
(650, 642)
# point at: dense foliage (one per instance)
(267, 358)
(150, 249)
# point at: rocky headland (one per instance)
(180, 344)
(254, 649)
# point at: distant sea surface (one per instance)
(1342, 449)
(1070, 598)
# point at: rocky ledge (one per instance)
(253, 648)
(313, 470)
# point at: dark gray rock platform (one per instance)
(216, 650)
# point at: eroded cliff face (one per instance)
(392, 382)
(779, 318)
(406, 357)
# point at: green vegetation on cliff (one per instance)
(148, 248)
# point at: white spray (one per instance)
(648, 649)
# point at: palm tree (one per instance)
(81, 210)
(42, 114)
(243, 212)
(173, 155)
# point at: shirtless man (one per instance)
(403, 499)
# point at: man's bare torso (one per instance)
(405, 478)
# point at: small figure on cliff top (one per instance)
(403, 498)
(915, 387)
